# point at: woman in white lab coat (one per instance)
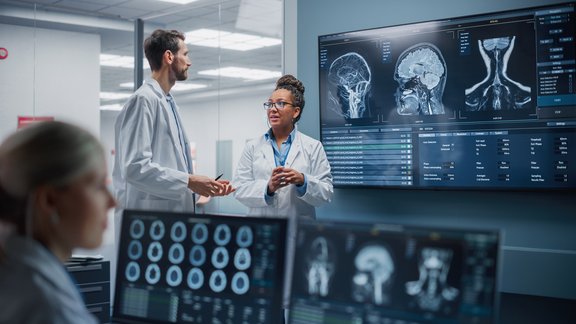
(53, 199)
(284, 173)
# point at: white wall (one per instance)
(49, 73)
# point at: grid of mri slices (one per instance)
(198, 269)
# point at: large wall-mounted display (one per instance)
(477, 102)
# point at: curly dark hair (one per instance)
(296, 87)
(158, 43)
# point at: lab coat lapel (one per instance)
(295, 149)
(173, 126)
(268, 153)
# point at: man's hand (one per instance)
(209, 187)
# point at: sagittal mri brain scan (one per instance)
(320, 267)
(431, 289)
(421, 76)
(497, 91)
(351, 76)
(374, 269)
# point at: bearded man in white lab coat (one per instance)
(153, 163)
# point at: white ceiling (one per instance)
(114, 21)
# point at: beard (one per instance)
(181, 75)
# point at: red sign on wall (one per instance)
(3, 53)
(27, 120)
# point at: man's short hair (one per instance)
(158, 43)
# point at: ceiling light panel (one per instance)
(178, 1)
(227, 40)
(242, 73)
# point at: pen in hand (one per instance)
(218, 177)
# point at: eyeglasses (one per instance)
(278, 105)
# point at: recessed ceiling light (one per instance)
(242, 73)
(227, 40)
(178, 1)
(114, 107)
(114, 95)
(183, 86)
(120, 61)
(180, 86)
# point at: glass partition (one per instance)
(74, 61)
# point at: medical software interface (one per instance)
(478, 102)
(354, 273)
(199, 269)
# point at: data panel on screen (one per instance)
(476, 102)
(184, 268)
(353, 273)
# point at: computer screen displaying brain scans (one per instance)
(376, 273)
(483, 102)
(186, 268)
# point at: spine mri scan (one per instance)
(497, 91)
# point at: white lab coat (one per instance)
(35, 287)
(150, 171)
(306, 156)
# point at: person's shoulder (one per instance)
(255, 141)
(22, 289)
(144, 98)
(307, 139)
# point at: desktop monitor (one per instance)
(371, 273)
(178, 267)
(483, 102)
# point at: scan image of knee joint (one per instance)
(421, 76)
(497, 91)
(431, 290)
(351, 77)
(320, 265)
(374, 270)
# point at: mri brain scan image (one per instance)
(374, 269)
(421, 76)
(137, 229)
(176, 253)
(497, 91)
(351, 76)
(199, 233)
(218, 281)
(174, 276)
(157, 230)
(178, 232)
(240, 283)
(320, 267)
(431, 289)
(155, 252)
(195, 278)
(153, 274)
(132, 271)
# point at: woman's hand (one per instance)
(282, 177)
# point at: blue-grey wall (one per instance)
(539, 245)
